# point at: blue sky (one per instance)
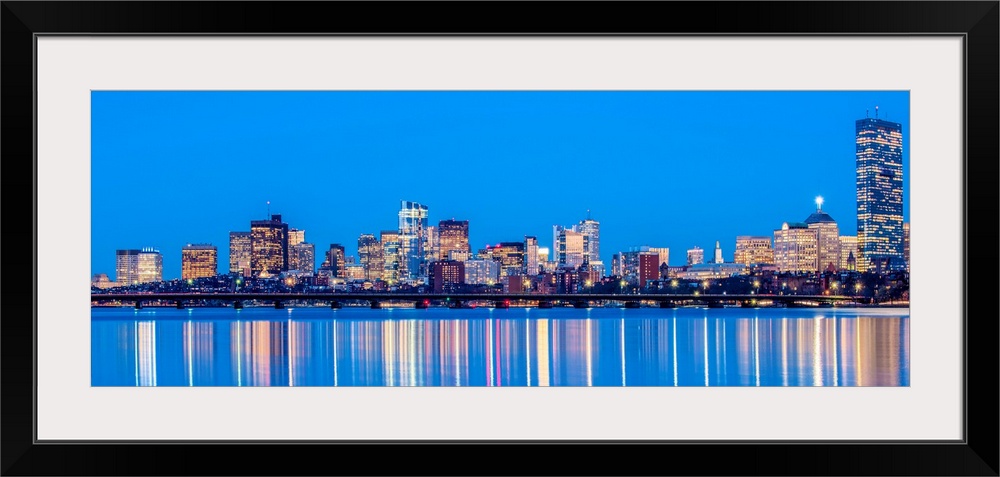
(657, 168)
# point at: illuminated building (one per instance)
(460, 255)
(591, 229)
(703, 271)
(391, 256)
(432, 247)
(827, 238)
(453, 235)
(879, 158)
(718, 252)
(482, 272)
(695, 256)
(295, 237)
(571, 247)
(530, 255)
(150, 265)
(198, 261)
(848, 252)
(906, 245)
(446, 272)
(412, 239)
(101, 280)
(753, 250)
(127, 267)
(370, 256)
(239, 253)
(795, 248)
(355, 271)
(268, 247)
(335, 261)
(649, 267)
(302, 257)
(663, 253)
(511, 258)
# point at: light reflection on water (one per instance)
(487, 347)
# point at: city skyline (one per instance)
(750, 175)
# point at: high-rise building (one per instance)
(848, 252)
(453, 235)
(511, 258)
(827, 238)
(446, 272)
(296, 236)
(663, 253)
(530, 255)
(127, 267)
(335, 261)
(198, 261)
(795, 248)
(370, 256)
(906, 245)
(268, 247)
(879, 158)
(150, 265)
(695, 256)
(591, 229)
(571, 248)
(302, 257)
(239, 253)
(392, 257)
(482, 272)
(753, 250)
(649, 267)
(718, 252)
(412, 240)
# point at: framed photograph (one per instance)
(740, 228)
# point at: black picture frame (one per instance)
(976, 454)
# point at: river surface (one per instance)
(500, 347)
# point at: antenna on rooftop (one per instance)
(866, 113)
(268, 210)
(876, 112)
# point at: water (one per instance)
(487, 347)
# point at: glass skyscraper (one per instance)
(412, 240)
(880, 194)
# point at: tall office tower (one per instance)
(239, 253)
(335, 261)
(848, 252)
(906, 245)
(432, 248)
(268, 247)
(127, 267)
(198, 261)
(663, 253)
(150, 265)
(370, 256)
(592, 230)
(296, 236)
(570, 247)
(718, 252)
(482, 272)
(530, 255)
(412, 240)
(879, 155)
(795, 248)
(391, 256)
(302, 257)
(453, 235)
(695, 256)
(511, 258)
(827, 238)
(753, 250)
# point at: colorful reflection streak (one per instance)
(486, 347)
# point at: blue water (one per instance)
(497, 347)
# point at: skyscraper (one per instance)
(848, 252)
(452, 235)
(370, 256)
(695, 256)
(150, 265)
(571, 248)
(412, 240)
(391, 256)
(795, 248)
(827, 238)
(302, 257)
(591, 229)
(268, 247)
(335, 261)
(879, 159)
(239, 253)
(753, 250)
(718, 252)
(198, 261)
(906, 245)
(295, 237)
(530, 255)
(127, 267)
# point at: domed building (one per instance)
(827, 238)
